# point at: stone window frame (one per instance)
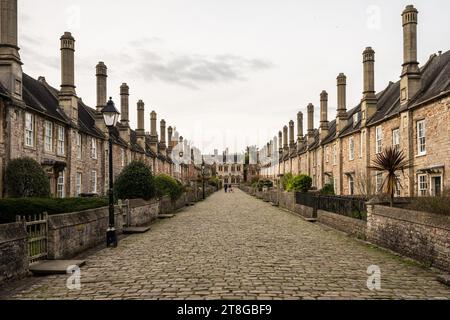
(30, 126)
(327, 156)
(351, 185)
(396, 136)
(122, 157)
(48, 136)
(334, 155)
(94, 181)
(361, 144)
(78, 183)
(378, 140)
(351, 149)
(378, 182)
(79, 144)
(61, 140)
(94, 152)
(61, 185)
(421, 140)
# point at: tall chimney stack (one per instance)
(323, 115)
(10, 63)
(291, 134)
(410, 82)
(369, 101)
(310, 123)
(153, 132)
(101, 75)
(140, 131)
(67, 96)
(341, 118)
(169, 139)
(299, 127)
(124, 104)
(285, 138)
(162, 140)
(280, 141)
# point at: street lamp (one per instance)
(203, 177)
(110, 116)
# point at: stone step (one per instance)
(49, 267)
(133, 230)
(165, 216)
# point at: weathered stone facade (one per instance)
(13, 251)
(410, 114)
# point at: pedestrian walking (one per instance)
(226, 188)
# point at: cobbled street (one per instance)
(233, 246)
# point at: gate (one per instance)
(37, 231)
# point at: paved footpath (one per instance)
(232, 246)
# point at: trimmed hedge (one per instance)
(11, 207)
(301, 183)
(135, 182)
(167, 186)
(25, 178)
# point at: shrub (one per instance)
(135, 182)
(264, 183)
(286, 179)
(214, 182)
(9, 208)
(328, 189)
(300, 183)
(25, 178)
(439, 205)
(168, 186)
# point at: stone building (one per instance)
(412, 114)
(229, 168)
(57, 129)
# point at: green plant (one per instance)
(24, 177)
(300, 183)
(167, 186)
(135, 182)
(286, 179)
(390, 160)
(328, 189)
(264, 183)
(214, 182)
(11, 207)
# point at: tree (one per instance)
(167, 186)
(391, 160)
(135, 182)
(25, 178)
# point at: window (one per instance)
(397, 190)
(421, 139)
(29, 130)
(351, 185)
(423, 185)
(93, 148)
(361, 144)
(94, 181)
(60, 188)
(79, 146)
(351, 148)
(379, 139)
(122, 155)
(379, 182)
(48, 136)
(334, 155)
(396, 139)
(327, 158)
(355, 119)
(61, 139)
(78, 184)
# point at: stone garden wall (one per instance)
(348, 225)
(419, 235)
(13, 251)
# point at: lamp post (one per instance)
(203, 177)
(110, 116)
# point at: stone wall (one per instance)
(73, 233)
(418, 235)
(139, 212)
(13, 251)
(348, 225)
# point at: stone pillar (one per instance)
(410, 82)
(369, 101)
(341, 118)
(101, 75)
(285, 138)
(67, 96)
(323, 115)
(310, 123)
(10, 63)
(124, 104)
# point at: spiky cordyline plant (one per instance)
(391, 160)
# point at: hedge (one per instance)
(11, 207)
(167, 186)
(135, 182)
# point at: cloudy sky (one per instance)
(225, 72)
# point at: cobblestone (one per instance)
(232, 246)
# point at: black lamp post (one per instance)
(203, 177)
(111, 116)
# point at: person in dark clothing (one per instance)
(226, 188)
